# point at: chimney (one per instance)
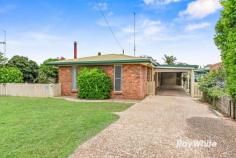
(75, 50)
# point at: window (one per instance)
(117, 78)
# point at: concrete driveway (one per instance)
(155, 127)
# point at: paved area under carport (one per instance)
(153, 127)
(171, 91)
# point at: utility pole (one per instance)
(4, 43)
(134, 34)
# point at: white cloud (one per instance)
(201, 8)
(101, 6)
(154, 2)
(146, 30)
(197, 26)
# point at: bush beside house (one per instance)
(93, 84)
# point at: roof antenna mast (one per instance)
(134, 34)
(4, 42)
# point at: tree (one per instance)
(10, 75)
(225, 40)
(149, 57)
(29, 68)
(169, 59)
(48, 73)
(3, 59)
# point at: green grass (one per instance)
(45, 127)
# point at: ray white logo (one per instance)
(196, 144)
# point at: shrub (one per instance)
(209, 85)
(93, 84)
(10, 75)
(208, 81)
(216, 92)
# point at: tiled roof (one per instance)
(104, 59)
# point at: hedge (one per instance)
(93, 84)
(10, 75)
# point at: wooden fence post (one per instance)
(234, 110)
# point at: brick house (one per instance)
(129, 74)
(215, 67)
(132, 77)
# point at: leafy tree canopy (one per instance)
(48, 73)
(225, 39)
(169, 59)
(29, 68)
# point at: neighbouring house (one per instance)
(215, 67)
(200, 72)
(133, 77)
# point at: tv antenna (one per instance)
(4, 42)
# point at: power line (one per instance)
(109, 26)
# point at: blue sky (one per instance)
(41, 29)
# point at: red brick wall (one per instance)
(134, 80)
(65, 78)
(144, 78)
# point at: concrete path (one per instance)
(154, 127)
(171, 91)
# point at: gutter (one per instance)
(184, 68)
(61, 63)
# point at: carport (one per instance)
(175, 79)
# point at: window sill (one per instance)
(118, 93)
(74, 91)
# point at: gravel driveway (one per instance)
(153, 127)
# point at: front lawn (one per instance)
(35, 127)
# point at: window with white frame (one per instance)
(117, 78)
